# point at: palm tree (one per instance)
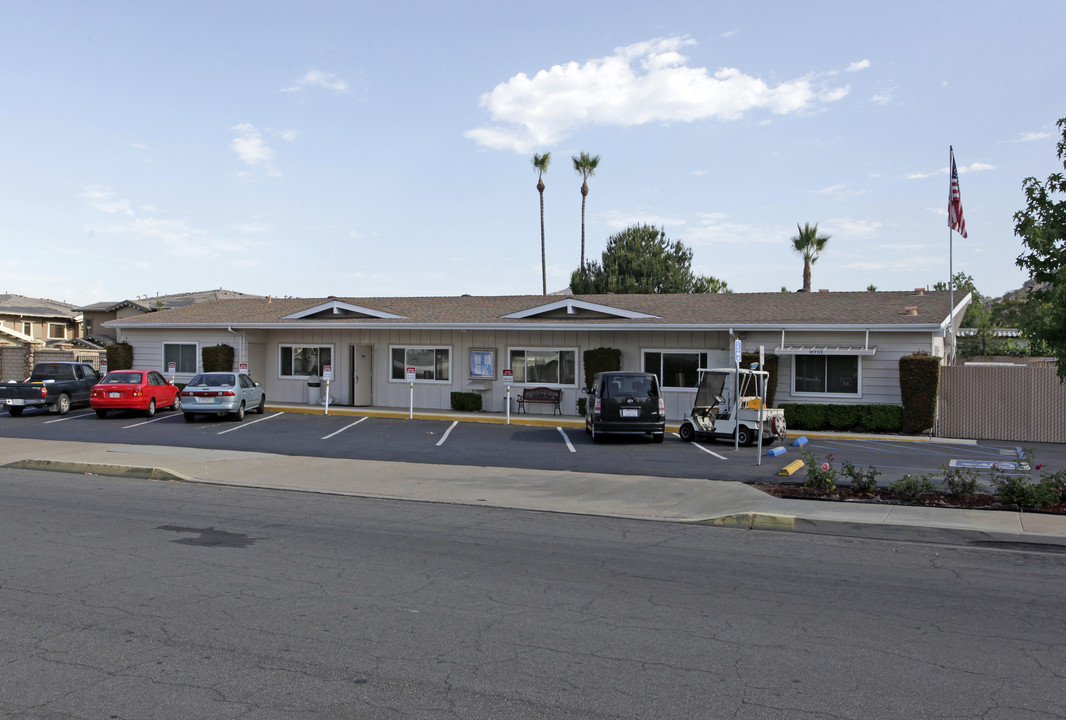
(809, 243)
(540, 162)
(585, 166)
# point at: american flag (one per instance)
(955, 219)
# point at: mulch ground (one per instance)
(884, 495)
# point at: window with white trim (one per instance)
(27, 329)
(183, 355)
(300, 361)
(431, 364)
(57, 331)
(543, 366)
(826, 375)
(675, 368)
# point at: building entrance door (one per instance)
(362, 365)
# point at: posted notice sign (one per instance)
(410, 374)
(327, 372)
(508, 377)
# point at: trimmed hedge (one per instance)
(919, 384)
(466, 401)
(217, 358)
(601, 359)
(860, 418)
(119, 356)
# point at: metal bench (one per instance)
(541, 395)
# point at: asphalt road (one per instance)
(138, 599)
(519, 446)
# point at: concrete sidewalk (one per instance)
(688, 500)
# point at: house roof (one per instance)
(35, 307)
(901, 311)
(166, 302)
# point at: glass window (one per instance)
(57, 331)
(299, 361)
(544, 367)
(430, 363)
(675, 369)
(826, 374)
(183, 356)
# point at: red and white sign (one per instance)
(103, 367)
(244, 368)
(508, 377)
(172, 368)
(411, 374)
(327, 372)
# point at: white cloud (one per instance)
(883, 97)
(615, 219)
(251, 149)
(174, 237)
(712, 229)
(253, 227)
(319, 79)
(1030, 137)
(848, 229)
(973, 167)
(102, 198)
(841, 192)
(641, 83)
(289, 135)
(857, 66)
(976, 167)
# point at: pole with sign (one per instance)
(508, 378)
(327, 375)
(172, 368)
(737, 346)
(411, 379)
(761, 379)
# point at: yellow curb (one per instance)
(754, 521)
(792, 467)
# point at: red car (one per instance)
(143, 390)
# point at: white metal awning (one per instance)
(826, 350)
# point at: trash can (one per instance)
(314, 389)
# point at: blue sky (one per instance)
(377, 149)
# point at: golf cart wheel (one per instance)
(687, 432)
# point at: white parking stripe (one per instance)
(67, 417)
(563, 433)
(446, 432)
(697, 445)
(145, 422)
(253, 422)
(327, 437)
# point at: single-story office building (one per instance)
(832, 347)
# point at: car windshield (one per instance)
(213, 380)
(122, 377)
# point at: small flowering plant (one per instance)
(821, 477)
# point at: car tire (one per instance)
(261, 407)
(596, 436)
(745, 436)
(15, 411)
(176, 405)
(101, 414)
(687, 432)
(151, 408)
(189, 417)
(62, 406)
(239, 415)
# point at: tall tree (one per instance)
(809, 243)
(1042, 228)
(585, 166)
(540, 163)
(641, 260)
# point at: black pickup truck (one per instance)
(55, 385)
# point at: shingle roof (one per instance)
(21, 305)
(688, 310)
(167, 301)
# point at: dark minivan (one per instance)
(625, 403)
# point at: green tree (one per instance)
(1042, 228)
(584, 165)
(809, 243)
(641, 260)
(540, 163)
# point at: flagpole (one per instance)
(951, 268)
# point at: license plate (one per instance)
(205, 399)
(630, 412)
(114, 395)
(16, 401)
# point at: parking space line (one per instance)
(67, 417)
(567, 439)
(447, 432)
(145, 422)
(327, 437)
(709, 452)
(253, 422)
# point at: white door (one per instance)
(362, 375)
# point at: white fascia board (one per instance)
(572, 304)
(337, 306)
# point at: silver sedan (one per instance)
(222, 393)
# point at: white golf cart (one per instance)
(715, 413)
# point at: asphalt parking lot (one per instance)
(499, 445)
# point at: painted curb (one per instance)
(127, 471)
(753, 521)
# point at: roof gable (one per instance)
(572, 307)
(339, 309)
